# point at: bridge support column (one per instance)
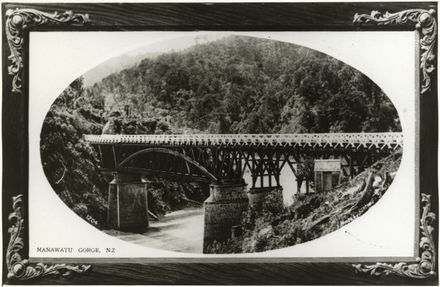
(127, 204)
(257, 194)
(223, 210)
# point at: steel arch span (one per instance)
(223, 157)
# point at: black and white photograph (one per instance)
(220, 143)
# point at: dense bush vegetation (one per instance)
(233, 85)
(310, 217)
(71, 164)
(250, 85)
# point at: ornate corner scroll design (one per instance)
(17, 21)
(424, 266)
(22, 269)
(424, 21)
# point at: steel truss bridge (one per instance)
(223, 157)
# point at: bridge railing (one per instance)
(353, 140)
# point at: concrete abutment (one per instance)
(127, 204)
(223, 210)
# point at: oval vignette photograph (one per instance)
(218, 143)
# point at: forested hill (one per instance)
(249, 85)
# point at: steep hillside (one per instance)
(313, 215)
(232, 85)
(250, 85)
(71, 165)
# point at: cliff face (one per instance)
(312, 215)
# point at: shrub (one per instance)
(273, 202)
(233, 245)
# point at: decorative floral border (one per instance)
(20, 268)
(425, 22)
(18, 20)
(424, 267)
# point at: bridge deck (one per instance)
(322, 140)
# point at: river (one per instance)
(180, 231)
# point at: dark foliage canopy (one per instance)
(250, 85)
(232, 85)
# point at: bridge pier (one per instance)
(223, 210)
(127, 203)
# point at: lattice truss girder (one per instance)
(213, 163)
(322, 140)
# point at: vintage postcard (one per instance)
(220, 143)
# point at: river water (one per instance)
(182, 230)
